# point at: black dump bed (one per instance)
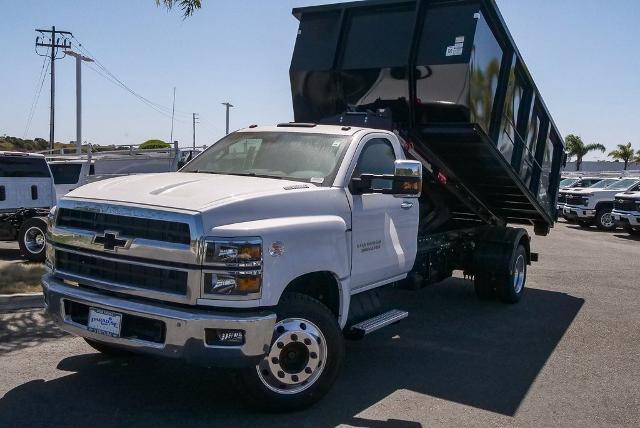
(457, 89)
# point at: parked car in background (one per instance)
(573, 183)
(593, 206)
(626, 211)
(27, 193)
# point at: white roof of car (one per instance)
(22, 154)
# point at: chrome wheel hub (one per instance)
(519, 274)
(607, 220)
(296, 358)
(34, 240)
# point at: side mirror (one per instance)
(405, 181)
(407, 178)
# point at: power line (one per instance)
(36, 95)
(147, 101)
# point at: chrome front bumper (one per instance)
(626, 218)
(184, 334)
(574, 212)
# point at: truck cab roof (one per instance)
(21, 154)
(309, 128)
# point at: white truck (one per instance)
(626, 211)
(593, 206)
(269, 249)
(571, 183)
(27, 193)
(71, 171)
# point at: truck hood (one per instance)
(188, 191)
(628, 195)
(592, 192)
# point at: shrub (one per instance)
(154, 144)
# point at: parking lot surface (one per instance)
(568, 354)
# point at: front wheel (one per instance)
(302, 364)
(31, 239)
(604, 220)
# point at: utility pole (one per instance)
(195, 118)
(173, 112)
(54, 44)
(228, 106)
(79, 58)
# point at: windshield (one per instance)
(568, 182)
(65, 173)
(623, 184)
(604, 183)
(290, 155)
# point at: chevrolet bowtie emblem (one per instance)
(110, 241)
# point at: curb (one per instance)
(11, 302)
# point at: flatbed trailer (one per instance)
(458, 92)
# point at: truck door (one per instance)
(384, 228)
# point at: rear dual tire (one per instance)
(509, 285)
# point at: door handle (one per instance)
(406, 205)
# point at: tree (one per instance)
(154, 144)
(574, 146)
(187, 6)
(624, 152)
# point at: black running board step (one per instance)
(376, 323)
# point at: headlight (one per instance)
(232, 268)
(51, 217)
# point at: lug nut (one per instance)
(307, 342)
(280, 345)
(280, 374)
(303, 326)
(308, 370)
(275, 360)
(294, 378)
(294, 337)
(313, 355)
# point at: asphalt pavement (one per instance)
(567, 355)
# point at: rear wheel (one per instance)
(604, 220)
(511, 287)
(31, 239)
(304, 359)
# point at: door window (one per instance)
(377, 157)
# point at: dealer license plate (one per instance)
(104, 322)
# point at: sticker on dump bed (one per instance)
(457, 48)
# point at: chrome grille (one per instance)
(626, 204)
(133, 227)
(158, 279)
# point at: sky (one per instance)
(582, 54)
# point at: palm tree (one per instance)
(574, 146)
(624, 152)
(187, 6)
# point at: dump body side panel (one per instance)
(455, 84)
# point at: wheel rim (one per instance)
(34, 240)
(606, 220)
(519, 274)
(296, 359)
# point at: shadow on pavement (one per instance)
(452, 346)
(25, 328)
(628, 236)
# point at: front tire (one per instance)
(604, 220)
(31, 239)
(303, 362)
